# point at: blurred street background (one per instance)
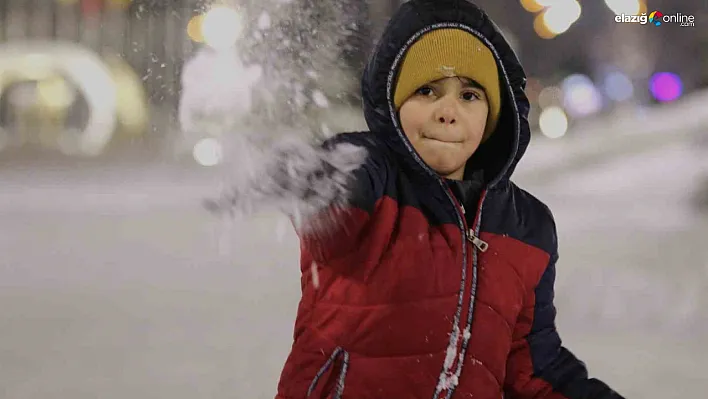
(115, 118)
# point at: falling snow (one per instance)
(320, 99)
(221, 102)
(264, 21)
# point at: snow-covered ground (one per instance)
(115, 283)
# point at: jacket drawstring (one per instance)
(339, 390)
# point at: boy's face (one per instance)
(444, 121)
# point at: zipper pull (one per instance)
(477, 242)
(463, 209)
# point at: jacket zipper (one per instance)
(471, 237)
(477, 242)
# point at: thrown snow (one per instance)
(264, 21)
(320, 99)
(216, 91)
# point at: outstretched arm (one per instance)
(329, 191)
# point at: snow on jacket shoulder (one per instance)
(413, 301)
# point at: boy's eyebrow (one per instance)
(470, 84)
(467, 83)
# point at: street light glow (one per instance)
(531, 5)
(628, 7)
(208, 152)
(221, 27)
(541, 29)
(553, 122)
(559, 17)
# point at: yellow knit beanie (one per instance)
(445, 53)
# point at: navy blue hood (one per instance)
(499, 155)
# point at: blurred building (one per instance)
(143, 44)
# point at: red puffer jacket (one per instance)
(417, 297)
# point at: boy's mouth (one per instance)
(440, 140)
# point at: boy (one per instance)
(437, 279)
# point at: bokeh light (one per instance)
(541, 29)
(617, 86)
(580, 96)
(221, 27)
(550, 96)
(208, 152)
(531, 6)
(561, 15)
(629, 7)
(665, 86)
(553, 122)
(194, 28)
(533, 89)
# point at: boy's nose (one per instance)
(445, 115)
(448, 120)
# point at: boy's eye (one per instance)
(470, 95)
(425, 91)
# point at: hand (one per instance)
(294, 177)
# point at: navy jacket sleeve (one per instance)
(346, 232)
(539, 367)
(367, 183)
